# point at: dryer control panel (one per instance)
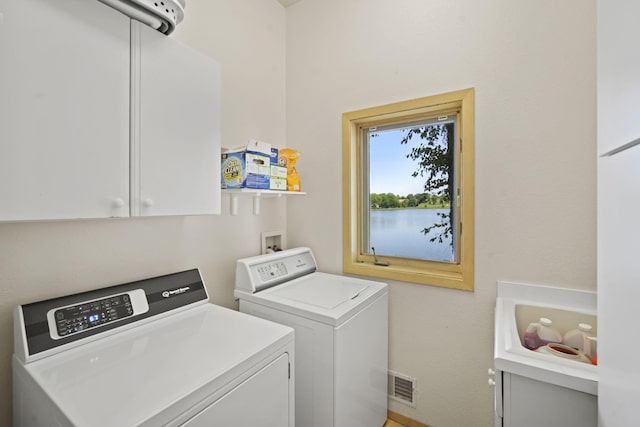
(50, 326)
(76, 318)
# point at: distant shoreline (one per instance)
(413, 207)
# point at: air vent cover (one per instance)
(163, 15)
(402, 388)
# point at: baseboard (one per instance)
(405, 421)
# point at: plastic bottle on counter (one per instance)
(576, 337)
(541, 333)
(589, 343)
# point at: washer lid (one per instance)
(322, 297)
(329, 294)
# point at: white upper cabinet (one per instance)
(101, 116)
(175, 140)
(618, 71)
(64, 121)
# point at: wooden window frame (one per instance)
(458, 275)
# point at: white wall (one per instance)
(46, 259)
(533, 67)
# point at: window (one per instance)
(408, 190)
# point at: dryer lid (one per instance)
(169, 365)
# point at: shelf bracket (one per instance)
(234, 204)
(256, 203)
(257, 195)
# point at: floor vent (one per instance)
(402, 388)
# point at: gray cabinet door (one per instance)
(531, 403)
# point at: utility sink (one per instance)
(517, 305)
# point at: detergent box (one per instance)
(248, 166)
(274, 156)
(278, 177)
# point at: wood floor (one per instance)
(397, 420)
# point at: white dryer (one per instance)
(341, 330)
(149, 353)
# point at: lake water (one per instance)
(398, 232)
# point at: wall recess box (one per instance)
(273, 241)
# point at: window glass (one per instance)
(410, 180)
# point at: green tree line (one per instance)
(424, 200)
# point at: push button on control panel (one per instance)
(79, 317)
(76, 318)
(271, 271)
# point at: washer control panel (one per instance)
(258, 273)
(271, 270)
(76, 318)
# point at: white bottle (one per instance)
(548, 334)
(541, 333)
(576, 337)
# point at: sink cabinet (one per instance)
(535, 389)
(102, 117)
(527, 402)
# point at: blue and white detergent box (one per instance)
(247, 166)
(274, 156)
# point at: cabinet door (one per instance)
(64, 119)
(531, 403)
(618, 73)
(175, 141)
(618, 290)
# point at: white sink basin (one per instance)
(516, 306)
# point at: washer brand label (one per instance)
(167, 294)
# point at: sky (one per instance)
(390, 168)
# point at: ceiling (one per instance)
(287, 3)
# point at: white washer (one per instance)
(149, 353)
(341, 329)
